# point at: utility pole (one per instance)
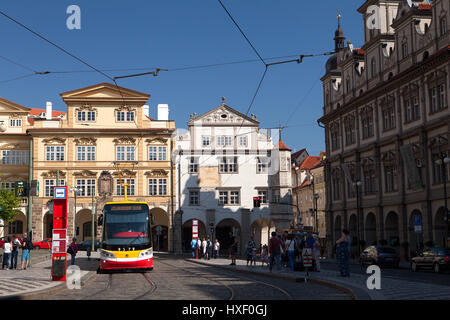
(93, 221)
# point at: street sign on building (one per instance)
(195, 229)
(417, 220)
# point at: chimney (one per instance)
(49, 111)
(163, 112)
(147, 110)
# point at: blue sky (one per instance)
(177, 33)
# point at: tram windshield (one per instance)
(126, 225)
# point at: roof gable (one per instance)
(105, 92)
(7, 106)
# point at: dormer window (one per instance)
(224, 116)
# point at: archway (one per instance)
(187, 233)
(440, 228)
(391, 227)
(17, 227)
(222, 233)
(261, 230)
(83, 225)
(337, 227)
(415, 238)
(47, 226)
(160, 229)
(371, 229)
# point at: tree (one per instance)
(8, 205)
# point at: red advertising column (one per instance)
(59, 239)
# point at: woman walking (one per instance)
(73, 249)
(251, 250)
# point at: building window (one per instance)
(390, 178)
(125, 116)
(15, 227)
(83, 116)
(262, 194)
(367, 126)
(412, 109)
(335, 138)
(49, 184)
(443, 26)
(15, 122)
(242, 141)
(388, 119)
(224, 141)
(85, 153)
(157, 187)
(404, 50)
(437, 98)
(10, 186)
(370, 182)
(194, 198)
(373, 67)
(54, 153)
(206, 141)
(347, 85)
(87, 187)
(15, 157)
(261, 165)
(228, 165)
(229, 197)
(193, 165)
(120, 190)
(125, 153)
(437, 169)
(350, 137)
(336, 187)
(157, 153)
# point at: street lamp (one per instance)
(358, 209)
(316, 197)
(75, 192)
(444, 161)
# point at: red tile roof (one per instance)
(425, 6)
(37, 112)
(310, 162)
(282, 147)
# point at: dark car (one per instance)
(436, 259)
(88, 244)
(381, 256)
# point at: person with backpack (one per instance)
(15, 251)
(209, 248)
(72, 250)
(27, 245)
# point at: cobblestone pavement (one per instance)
(176, 279)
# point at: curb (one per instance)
(276, 276)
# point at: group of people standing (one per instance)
(289, 249)
(11, 248)
(204, 248)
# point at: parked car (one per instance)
(44, 244)
(436, 259)
(381, 256)
(88, 243)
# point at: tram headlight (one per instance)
(146, 253)
(106, 254)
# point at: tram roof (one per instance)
(127, 202)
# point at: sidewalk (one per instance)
(403, 264)
(391, 289)
(18, 284)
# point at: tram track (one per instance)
(233, 294)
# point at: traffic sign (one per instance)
(307, 257)
(195, 229)
(417, 220)
(60, 193)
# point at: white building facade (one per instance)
(223, 162)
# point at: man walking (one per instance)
(194, 248)
(216, 248)
(26, 247)
(232, 248)
(274, 251)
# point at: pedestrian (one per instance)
(290, 250)
(7, 248)
(194, 248)
(209, 247)
(265, 255)
(310, 241)
(204, 248)
(232, 248)
(343, 253)
(72, 250)
(249, 250)
(26, 247)
(275, 247)
(15, 251)
(199, 247)
(216, 248)
(316, 252)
